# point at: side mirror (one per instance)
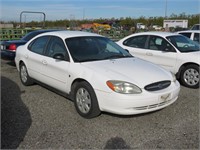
(59, 56)
(166, 49)
(169, 49)
(126, 50)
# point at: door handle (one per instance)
(149, 54)
(44, 62)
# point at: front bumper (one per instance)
(129, 104)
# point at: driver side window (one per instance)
(55, 46)
(159, 44)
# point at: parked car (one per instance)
(192, 34)
(157, 27)
(8, 48)
(172, 51)
(141, 26)
(96, 73)
(196, 27)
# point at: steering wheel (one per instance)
(185, 46)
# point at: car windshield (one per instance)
(184, 44)
(83, 49)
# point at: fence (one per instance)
(14, 34)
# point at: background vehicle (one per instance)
(96, 26)
(141, 26)
(196, 27)
(157, 27)
(192, 34)
(96, 73)
(172, 51)
(8, 48)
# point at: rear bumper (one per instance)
(8, 54)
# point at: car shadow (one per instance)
(116, 143)
(15, 116)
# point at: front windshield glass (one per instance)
(83, 49)
(184, 44)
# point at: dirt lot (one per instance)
(35, 118)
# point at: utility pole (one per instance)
(83, 13)
(166, 9)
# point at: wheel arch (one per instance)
(73, 85)
(20, 62)
(178, 74)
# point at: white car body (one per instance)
(172, 61)
(61, 75)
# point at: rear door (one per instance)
(56, 64)
(35, 56)
(136, 45)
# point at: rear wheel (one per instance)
(85, 100)
(24, 77)
(190, 76)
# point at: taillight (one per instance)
(12, 47)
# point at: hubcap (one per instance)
(24, 74)
(83, 100)
(191, 77)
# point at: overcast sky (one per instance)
(92, 9)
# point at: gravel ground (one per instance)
(34, 117)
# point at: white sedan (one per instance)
(96, 73)
(172, 51)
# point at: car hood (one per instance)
(133, 70)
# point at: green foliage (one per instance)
(127, 22)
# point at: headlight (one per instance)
(123, 87)
(174, 77)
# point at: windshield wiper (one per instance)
(89, 59)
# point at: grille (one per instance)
(157, 86)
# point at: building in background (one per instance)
(175, 24)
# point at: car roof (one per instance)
(192, 31)
(67, 34)
(158, 33)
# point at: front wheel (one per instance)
(190, 76)
(85, 100)
(24, 77)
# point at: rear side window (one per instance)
(38, 45)
(137, 41)
(159, 44)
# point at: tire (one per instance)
(24, 76)
(190, 76)
(85, 100)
